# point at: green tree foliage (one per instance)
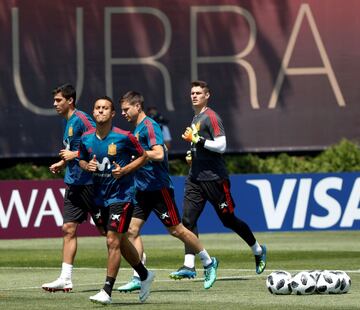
(341, 157)
(28, 171)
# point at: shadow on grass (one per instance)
(225, 279)
(232, 279)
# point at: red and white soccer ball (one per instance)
(278, 282)
(303, 283)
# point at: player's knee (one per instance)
(69, 230)
(112, 241)
(177, 231)
(133, 231)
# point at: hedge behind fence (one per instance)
(342, 157)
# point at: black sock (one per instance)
(109, 283)
(141, 270)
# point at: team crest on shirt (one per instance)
(112, 149)
(71, 131)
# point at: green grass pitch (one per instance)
(26, 264)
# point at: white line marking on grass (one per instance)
(198, 279)
(123, 282)
(160, 269)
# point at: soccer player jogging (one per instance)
(78, 200)
(154, 189)
(208, 180)
(107, 153)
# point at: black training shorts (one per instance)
(162, 202)
(78, 203)
(116, 217)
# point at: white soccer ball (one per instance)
(345, 281)
(278, 282)
(303, 283)
(316, 273)
(328, 283)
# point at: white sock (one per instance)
(143, 260)
(66, 271)
(205, 258)
(189, 260)
(256, 249)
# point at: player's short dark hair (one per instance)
(201, 84)
(133, 97)
(107, 98)
(67, 90)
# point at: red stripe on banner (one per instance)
(229, 201)
(170, 206)
(151, 132)
(84, 119)
(123, 218)
(214, 121)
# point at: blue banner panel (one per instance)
(287, 202)
(284, 202)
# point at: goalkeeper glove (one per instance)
(191, 134)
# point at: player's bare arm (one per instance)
(119, 171)
(90, 166)
(68, 155)
(156, 153)
(56, 167)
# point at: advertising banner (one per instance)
(283, 74)
(287, 202)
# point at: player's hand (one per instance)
(56, 168)
(191, 134)
(92, 164)
(67, 155)
(117, 172)
(188, 157)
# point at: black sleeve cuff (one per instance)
(201, 141)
